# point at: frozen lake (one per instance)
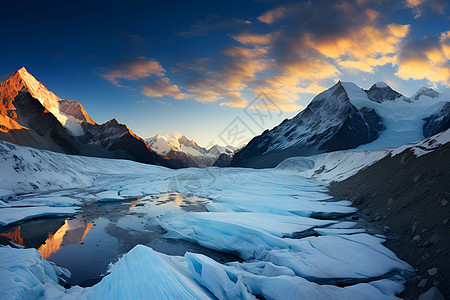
(101, 232)
(190, 233)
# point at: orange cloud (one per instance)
(204, 94)
(445, 44)
(272, 15)
(254, 39)
(363, 48)
(162, 87)
(241, 66)
(415, 5)
(133, 70)
(427, 58)
(234, 99)
(299, 57)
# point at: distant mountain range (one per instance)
(347, 117)
(31, 115)
(182, 152)
(340, 118)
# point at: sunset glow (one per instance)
(210, 61)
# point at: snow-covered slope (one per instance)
(25, 169)
(340, 165)
(261, 226)
(427, 145)
(179, 150)
(31, 115)
(347, 117)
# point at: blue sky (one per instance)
(194, 66)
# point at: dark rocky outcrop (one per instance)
(31, 115)
(380, 92)
(438, 122)
(407, 199)
(329, 123)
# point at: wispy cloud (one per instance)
(162, 87)
(273, 15)
(296, 49)
(305, 46)
(418, 7)
(133, 70)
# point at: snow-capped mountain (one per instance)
(347, 117)
(31, 115)
(183, 152)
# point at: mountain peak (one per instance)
(22, 70)
(381, 85)
(113, 121)
(29, 81)
(425, 91)
(381, 91)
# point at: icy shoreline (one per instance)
(254, 214)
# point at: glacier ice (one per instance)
(25, 275)
(10, 215)
(257, 215)
(143, 273)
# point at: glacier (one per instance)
(291, 238)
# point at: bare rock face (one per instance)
(330, 122)
(417, 218)
(380, 92)
(438, 122)
(75, 109)
(26, 121)
(346, 117)
(31, 115)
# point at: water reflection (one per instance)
(73, 231)
(53, 242)
(101, 232)
(14, 236)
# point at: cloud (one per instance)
(254, 39)
(234, 100)
(162, 87)
(133, 70)
(315, 41)
(272, 15)
(419, 7)
(224, 78)
(445, 44)
(143, 68)
(306, 45)
(362, 48)
(296, 49)
(426, 58)
(415, 5)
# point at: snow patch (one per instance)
(381, 84)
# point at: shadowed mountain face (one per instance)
(380, 92)
(329, 123)
(31, 115)
(24, 120)
(438, 122)
(346, 117)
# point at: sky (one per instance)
(208, 68)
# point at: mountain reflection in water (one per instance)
(100, 233)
